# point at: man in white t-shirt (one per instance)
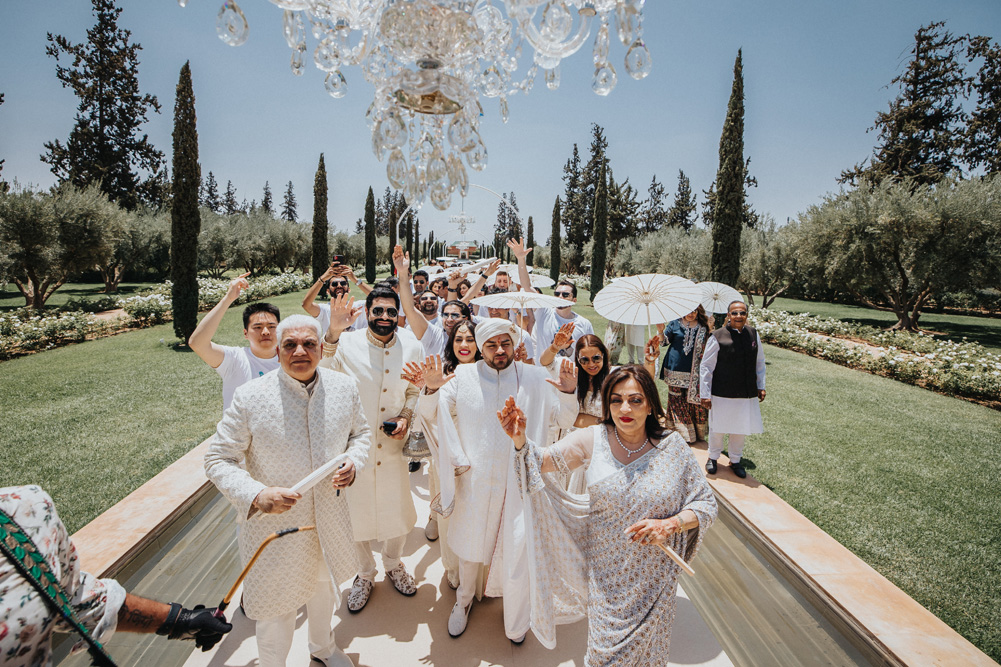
(338, 276)
(237, 365)
(549, 320)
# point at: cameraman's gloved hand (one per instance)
(199, 624)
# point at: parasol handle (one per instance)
(219, 612)
(677, 559)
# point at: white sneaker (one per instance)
(457, 619)
(338, 659)
(431, 530)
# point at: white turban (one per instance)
(495, 326)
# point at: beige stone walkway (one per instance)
(396, 631)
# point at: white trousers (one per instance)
(735, 449)
(392, 550)
(274, 635)
(469, 571)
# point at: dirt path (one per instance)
(115, 314)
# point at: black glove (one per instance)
(199, 624)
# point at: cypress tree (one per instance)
(370, 237)
(185, 220)
(554, 243)
(266, 203)
(728, 209)
(417, 242)
(410, 235)
(531, 238)
(394, 214)
(600, 233)
(289, 205)
(321, 254)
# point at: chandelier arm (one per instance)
(560, 50)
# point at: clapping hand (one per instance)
(564, 337)
(652, 350)
(236, 287)
(513, 422)
(568, 377)
(434, 374)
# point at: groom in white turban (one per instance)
(486, 523)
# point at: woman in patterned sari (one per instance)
(644, 488)
(685, 339)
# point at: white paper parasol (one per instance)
(520, 300)
(542, 281)
(717, 297)
(431, 270)
(650, 298)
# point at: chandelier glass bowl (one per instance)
(431, 61)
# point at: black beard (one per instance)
(429, 309)
(381, 329)
(507, 363)
(338, 291)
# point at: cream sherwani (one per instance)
(487, 521)
(382, 507)
(284, 433)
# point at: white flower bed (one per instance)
(24, 330)
(959, 368)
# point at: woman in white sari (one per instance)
(645, 488)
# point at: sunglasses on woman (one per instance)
(586, 361)
(379, 310)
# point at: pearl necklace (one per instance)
(629, 452)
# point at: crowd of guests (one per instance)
(557, 502)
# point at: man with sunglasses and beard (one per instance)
(380, 503)
(732, 378)
(338, 276)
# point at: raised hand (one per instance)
(401, 260)
(492, 267)
(413, 372)
(567, 382)
(520, 353)
(518, 248)
(434, 375)
(652, 349)
(236, 287)
(454, 279)
(512, 420)
(343, 313)
(331, 271)
(564, 337)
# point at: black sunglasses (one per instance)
(738, 313)
(563, 295)
(379, 310)
(338, 283)
(596, 359)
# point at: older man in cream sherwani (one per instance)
(381, 504)
(486, 526)
(287, 424)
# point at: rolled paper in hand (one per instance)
(313, 478)
(677, 559)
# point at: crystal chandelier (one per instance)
(431, 61)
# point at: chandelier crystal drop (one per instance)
(431, 62)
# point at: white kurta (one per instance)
(284, 434)
(471, 436)
(380, 501)
(731, 415)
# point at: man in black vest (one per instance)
(732, 384)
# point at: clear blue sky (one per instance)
(814, 77)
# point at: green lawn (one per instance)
(91, 422)
(903, 477)
(11, 299)
(983, 330)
